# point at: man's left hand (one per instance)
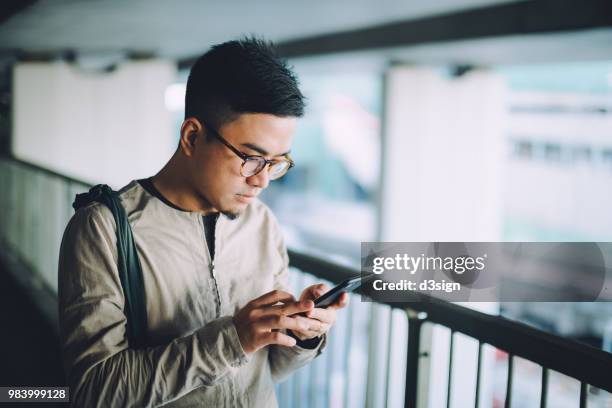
(319, 320)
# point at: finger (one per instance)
(308, 334)
(320, 289)
(314, 291)
(322, 315)
(281, 322)
(290, 308)
(342, 301)
(312, 325)
(278, 338)
(271, 298)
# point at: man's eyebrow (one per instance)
(261, 150)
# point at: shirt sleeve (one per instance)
(284, 360)
(101, 367)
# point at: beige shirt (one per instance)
(194, 357)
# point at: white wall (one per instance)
(99, 127)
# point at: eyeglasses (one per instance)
(253, 164)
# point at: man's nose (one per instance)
(261, 179)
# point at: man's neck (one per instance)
(173, 183)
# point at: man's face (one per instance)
(216, 169)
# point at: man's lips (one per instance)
(245, 198)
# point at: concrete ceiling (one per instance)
(184, 28)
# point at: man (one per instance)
(221, 325)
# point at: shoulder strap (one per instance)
(130, 271)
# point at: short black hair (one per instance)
(241, 76)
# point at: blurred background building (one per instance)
(448, 120)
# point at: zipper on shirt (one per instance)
(212, 269)
(214, 275)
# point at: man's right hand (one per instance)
(259, 322)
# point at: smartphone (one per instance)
(348, 285)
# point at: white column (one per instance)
(443, 154)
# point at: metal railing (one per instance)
(364, 366)
(588, 365)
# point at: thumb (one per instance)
(314, 291)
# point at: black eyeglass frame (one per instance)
(247, 157)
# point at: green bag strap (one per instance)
(130, 271)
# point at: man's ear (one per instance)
(190, 129)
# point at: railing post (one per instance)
(478, 371)
(583, 394)
(450, 369)
(415, 320)
(508, 402)
(544, 392)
